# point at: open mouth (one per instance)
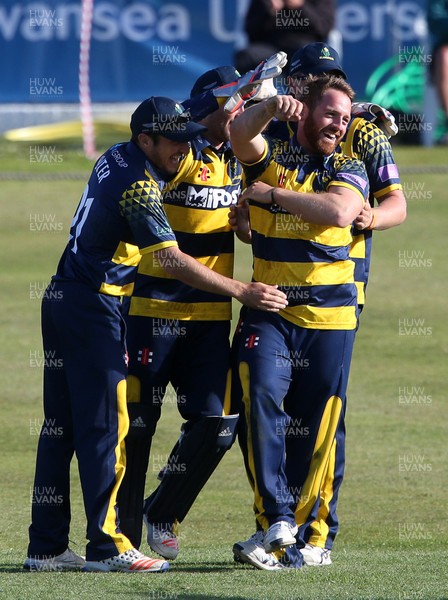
(176, 158)
(332, 137)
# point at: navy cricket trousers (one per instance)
(84, 413)
(294, 381)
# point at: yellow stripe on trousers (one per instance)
(227, 395)
(121, 542)
(320, 458)
(258, 500)
(319, 526)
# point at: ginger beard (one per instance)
(321, 140)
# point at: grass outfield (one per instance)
(393, 506)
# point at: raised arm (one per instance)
(245, 131)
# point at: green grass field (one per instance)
(393, 507)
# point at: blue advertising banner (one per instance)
(145, 47)
(138, 48)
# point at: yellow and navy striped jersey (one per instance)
(197, 203)
(309, 262)
(366, 142)
(120, 218)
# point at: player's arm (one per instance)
(239, 221)
(245, 131)
(372, 146)
(188, 270)
(155, 236)
(338, 207)
(390, 212)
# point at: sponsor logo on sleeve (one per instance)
(388, 172)
(355, 179)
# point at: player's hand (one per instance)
(239, 221)
(252, 84)
(263, 297)
(382, 118)
(284, 108)
(258, 191)
(365, 219)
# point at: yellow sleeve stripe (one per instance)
(386, 190)
(116, 290)
(126, 254)
(159, 246)
(262, 157)
(350, 187)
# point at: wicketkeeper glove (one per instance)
(256, 84)
(379, 115)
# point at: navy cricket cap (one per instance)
(315, 59)
(214, 78)
(163, 116)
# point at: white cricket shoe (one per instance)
(67, 561)
(131, 561)
(314, 556)
(253, 553)
(162, 539)
(279, 535)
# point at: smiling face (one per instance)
(323, 127)
(165, 154)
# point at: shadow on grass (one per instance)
(185, 567)
(163, 595)
(194, 567)
(12, 569)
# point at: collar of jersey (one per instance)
(158, 176)
(200, 143)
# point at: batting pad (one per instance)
(199, 451)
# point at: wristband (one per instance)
(274, 207)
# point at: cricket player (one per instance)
(366, 139)
(301, 240)
(119, 219)
(180, 335)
